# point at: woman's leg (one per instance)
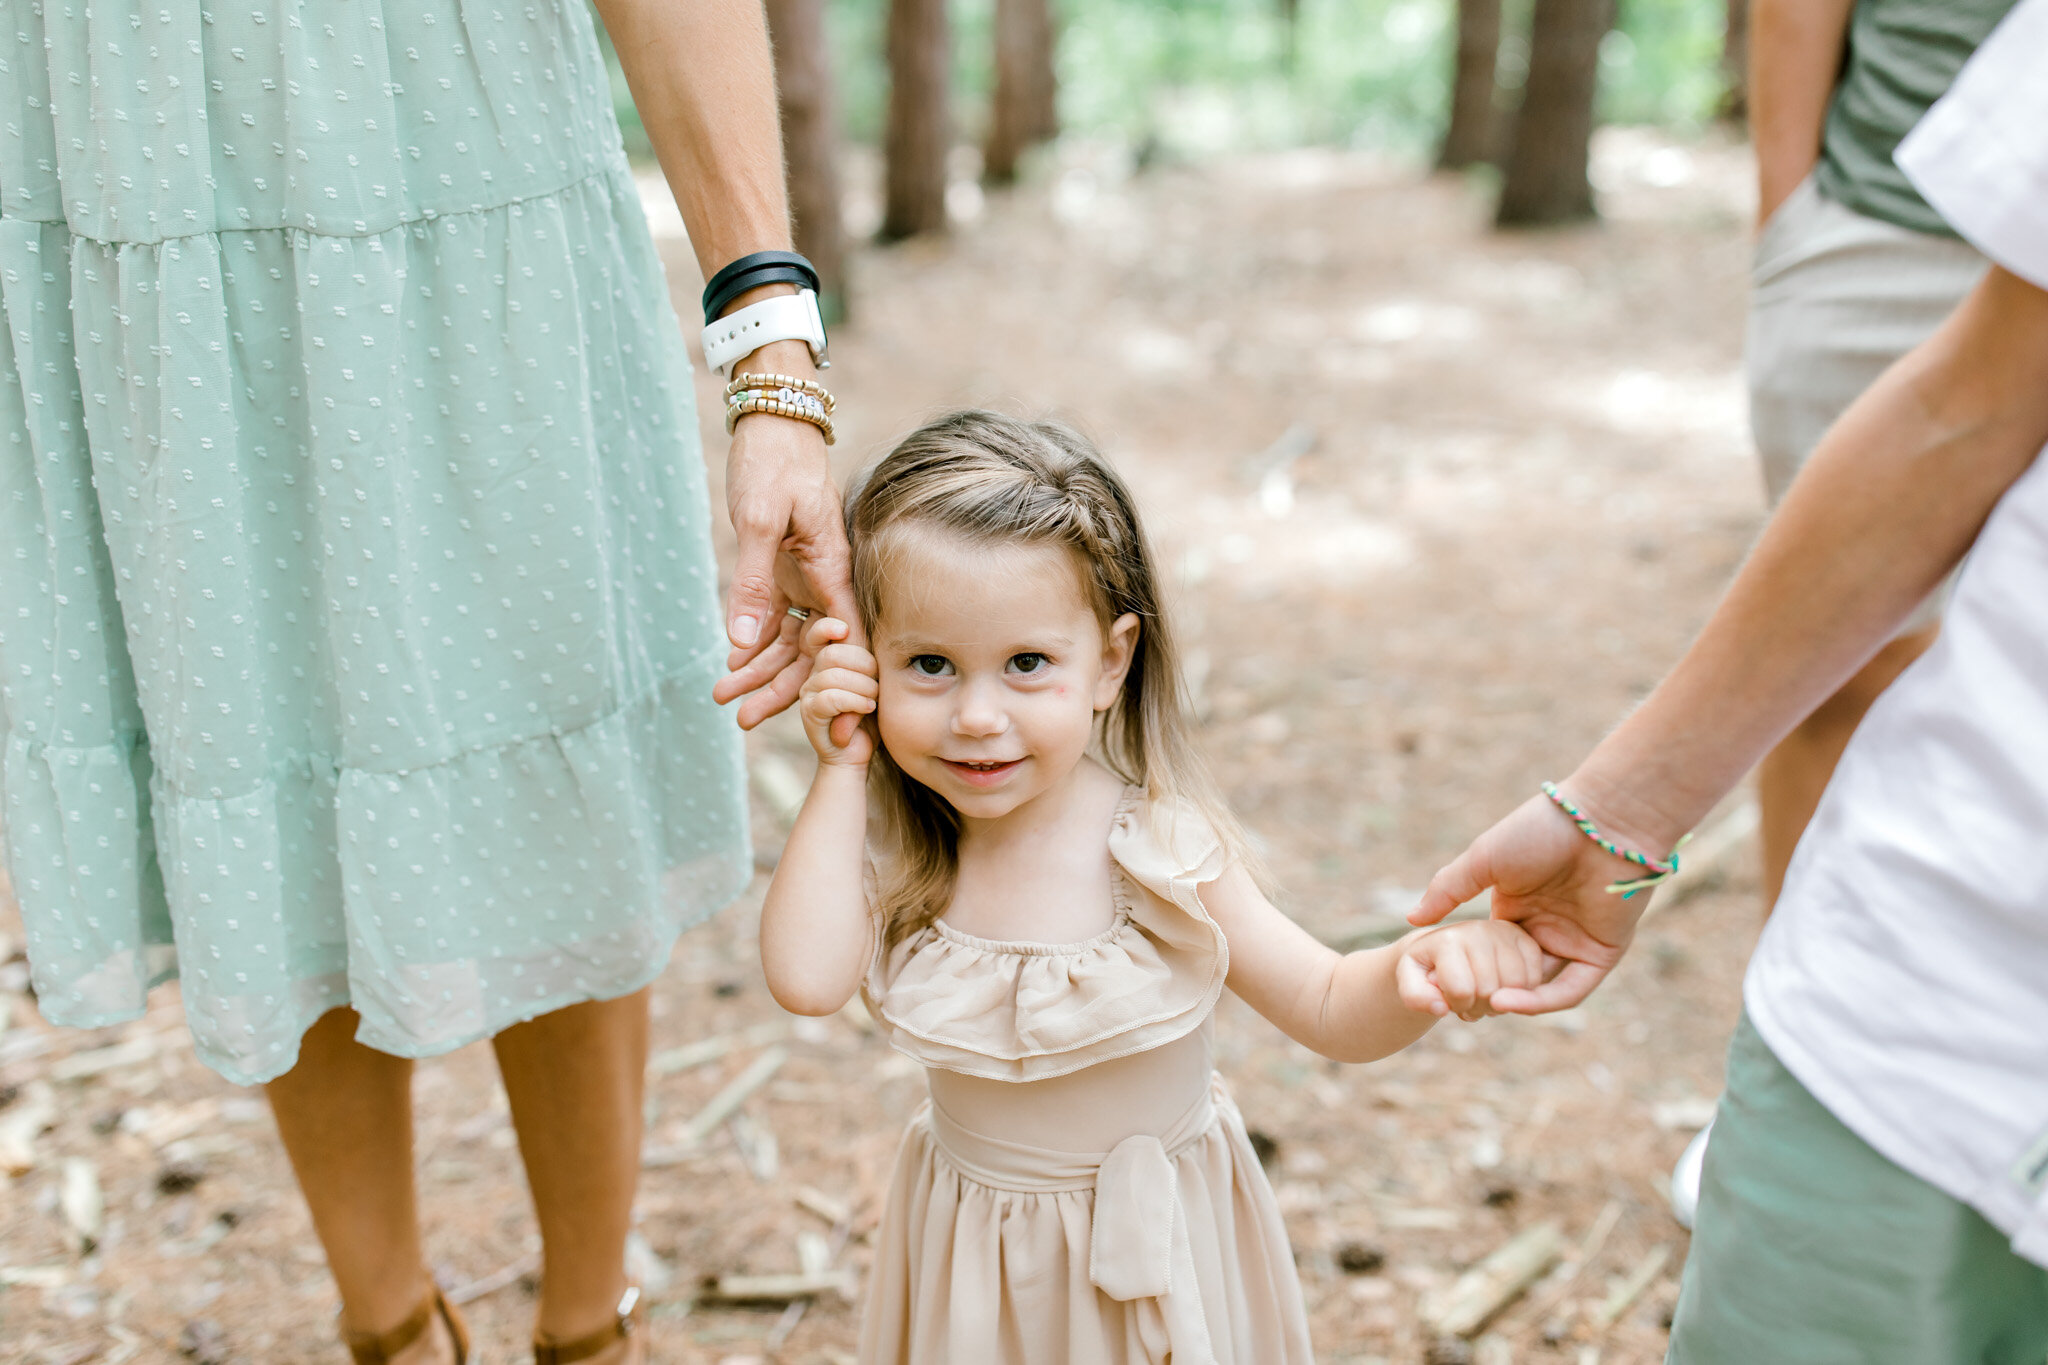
(575, 1079)
(345, 1114)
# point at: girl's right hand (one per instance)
(843, 682)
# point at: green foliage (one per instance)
(1190, 77)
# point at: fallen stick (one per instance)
(79, 1065)
(498, 1279)
(1588, 1248)
(670, 1060)
(727, 1101)
(813, 1200)
(1703, 864)
(1631, 1289)
(1491, 1285)
(816, 1255)
(775, 1288)
(759, 1151)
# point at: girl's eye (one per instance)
(930, 665)
(1029, 663)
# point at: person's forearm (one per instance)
(703, 79)
(1888, 504)
(1795, 58)
(816, 934)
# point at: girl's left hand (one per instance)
(1457, 969)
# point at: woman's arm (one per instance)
(1890, 501)
(703, 80)
(816, 932)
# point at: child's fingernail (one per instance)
(745, 629)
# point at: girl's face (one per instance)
(993, 667)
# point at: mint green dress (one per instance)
(358, 620)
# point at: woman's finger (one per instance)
(1458, 881)
(768, 661)
(1568, 988)
(774, 695)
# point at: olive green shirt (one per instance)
(1901, 57)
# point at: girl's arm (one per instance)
(1358, 1007)
(816, 933)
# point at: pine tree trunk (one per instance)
(810, 143)
(1735, 64)
(1025, 108)
(920, 125)
(1546, 167)
(1472, 136)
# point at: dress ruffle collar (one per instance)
(1017, 1011)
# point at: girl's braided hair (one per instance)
(1000, 480)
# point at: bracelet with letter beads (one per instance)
(794, 398)
(742, 382)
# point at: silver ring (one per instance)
(800, 613)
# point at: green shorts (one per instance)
(1814, 1250)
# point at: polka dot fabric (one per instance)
(357, 614)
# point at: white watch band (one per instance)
(786, 317)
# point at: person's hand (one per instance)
(792, 552)
(841, 687)
(1552, 880)
(1460, 968)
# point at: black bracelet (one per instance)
(753, 271)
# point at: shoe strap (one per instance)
(625, 1322)
(377, 1348)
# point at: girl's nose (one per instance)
(979, 712)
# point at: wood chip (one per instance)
(22, 1123)
(80, 1199)
(726, 1102)
(1490, 1286)
(1627, 1290)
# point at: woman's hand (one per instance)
(842, 687)
(1552, 881)
(792, 552)
(1461, 968)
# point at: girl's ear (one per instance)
(1119, 646)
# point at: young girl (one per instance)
(1044, 915)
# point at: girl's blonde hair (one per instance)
(1004, 481)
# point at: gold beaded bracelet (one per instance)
(742, 383)
(779, 408)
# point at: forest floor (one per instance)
(1441, 504)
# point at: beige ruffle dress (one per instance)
(1079, 1189)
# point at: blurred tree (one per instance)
(1545, 180)
(920, 124)
(1735, 64)
(1473, 135)
(1024, 108)
(810, 142)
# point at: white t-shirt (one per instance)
(1904, 977)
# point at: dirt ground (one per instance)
(1441, 504)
